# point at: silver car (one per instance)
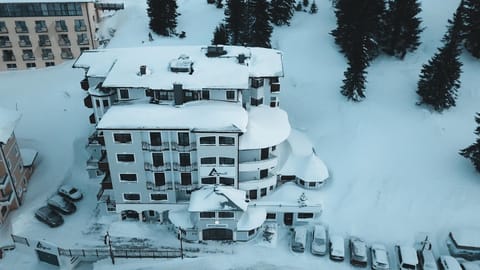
(379, 257)
(72, 193)
(62, 205)
(319, 242)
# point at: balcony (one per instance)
(82, 41)
(248, 166)
(275, 87)
(84, 84)
(21, 29)
(25, 43)
(148, 147)
(87, 101)
(66, 55)
(153, 187)
(80, 28)
(149, 167)
(64, 42)
(185, 168)
(47, 56)
(44, 43)
(41, 29)
(5, 44)
(28, 57)
(184, 148)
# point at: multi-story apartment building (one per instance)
(16, 165)
(42, 33)
(189, 135)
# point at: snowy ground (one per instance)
(395, 168)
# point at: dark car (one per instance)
(62, 205)
(49, 216)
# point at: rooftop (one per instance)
(8, 121)
(211, 198)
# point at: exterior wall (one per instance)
(89, 17)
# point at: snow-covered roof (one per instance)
(200, 115)
(466, 237)
(121, 66)
(8, 121)
(212, 198)
(28, 156)
(303, 161)
(252, 219)
(180, 218)
(266, 127)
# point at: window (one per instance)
(230, 95)
(82, 39)
(252, 194)
(228, 181)
(263, 192)
(20, 27)
(31, 65)
(207, 214)
(159, 179)
(311, 184)
(66, 53)
(84, 49)
(157, 159)
(305, 215)
(49, 64)
(121, 137)
(3, 27)
(208, 140)
(257, 82)
(125, 157)
(271, 216)
(226, 140)
(40, 9)
(5, 42)
(105, 103)
(131, 196)
(263, 173)
(97, 103)
(225, 214)
(251, 232)
(128, 177)
(63, 40)
(226, 161)
(47, 54)
(80, 25)
(44, 40)
(124, 94)
(184, 159)
(11, 66)
(301, 182)
(209, 180)
(27, 55)
(61, 26)
(155, 138)
(183, 139)
(40, 26)
(256, 102)
(24, 41)
(271, 188)
(8, 55)
(264, 153)
(208, 161)
(205, 94)
(186, 179)
(158, 197)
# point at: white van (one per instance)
(299, 239)
(464, 243)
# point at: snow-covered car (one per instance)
(319, 241)
(337, 248)
(61, 204)
(427, 260)
(358, 252)
(49, 216)
(379, 257)
(72, 193)
(466, 265)
(464, 243)
(407, 258)
(448, 263)
(299, 239)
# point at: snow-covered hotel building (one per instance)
(193, 136)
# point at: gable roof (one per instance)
(8, 121)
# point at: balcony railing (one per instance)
(96, 138)
(185, 168)
(28, 57)
(64, 42)
(82, 41)
(47, 56)
(184, 148)
(80, 28)
(3, 30)
(21, 30)
(24, 43)
(65, 55)
(60, 28)
(41, 29)
(148, 147)
(5, 44)
(150, 167)
(152, 186)
(44, 43)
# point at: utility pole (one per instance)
(108, 240)
(180, 231)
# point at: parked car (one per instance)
(337, 248)
(299, 239)
(358, 252)
(62, 205)
(379, 257)
(464, 243)
(319, 242)
(468, 265)
(407, 258)
(49, 216)
(427, 260)
(448, 263)
(70, 192)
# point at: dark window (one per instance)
(61, 26)
(256, 102)
(159, 179)
(208, 140)
(305, 215)
(205, 94)
(264, 153)
(131, 196)
(228, 181)
(311, 184)
(157, 159)
(230, 94)
(263, 173)
(302, 182)
(251, 232)
(11, 66)
(225, 214)
(271, 188)
(97, 103)
(155, 138)
(208, 161)
(20, 26)
(257, 82)
(40, 9)
(252, 194)
(209, 180)
(226, 161)
(66, 53)
(125, 157)
(82, 39)
(124, 94)
(274, 148)
(183, 139)
(226, 140)
(158, 197)
(80, 25)
(31, 65)
(120, 137)
(184, 159)
(263, 192)
(271, 216)
(3, 27)
(105, 103)
(130, 177)
(186, 179)
(49, 64)
(207, 214)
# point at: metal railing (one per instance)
(150, 167)
(152, 186)
(120, 253)
(148, 147)
(185, 168)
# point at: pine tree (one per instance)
(354, 83)
(163, 16)
(235, 17)
(281, 11)
(299, 6)
(219, 4)
(473, 151)
(440, 77)
(472, 27)
(259, 29)
(220, 35)
(402, 27)
(313, 8)
(305, 3)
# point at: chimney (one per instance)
(241, 58)
(143, 70)
(178, 93)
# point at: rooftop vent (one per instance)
(215, 51)
(182, 64)
(241, 58)
(143, 70)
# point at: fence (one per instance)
(121, 253)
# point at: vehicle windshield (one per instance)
(408, 266)
(320, 241)
(73, 190)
